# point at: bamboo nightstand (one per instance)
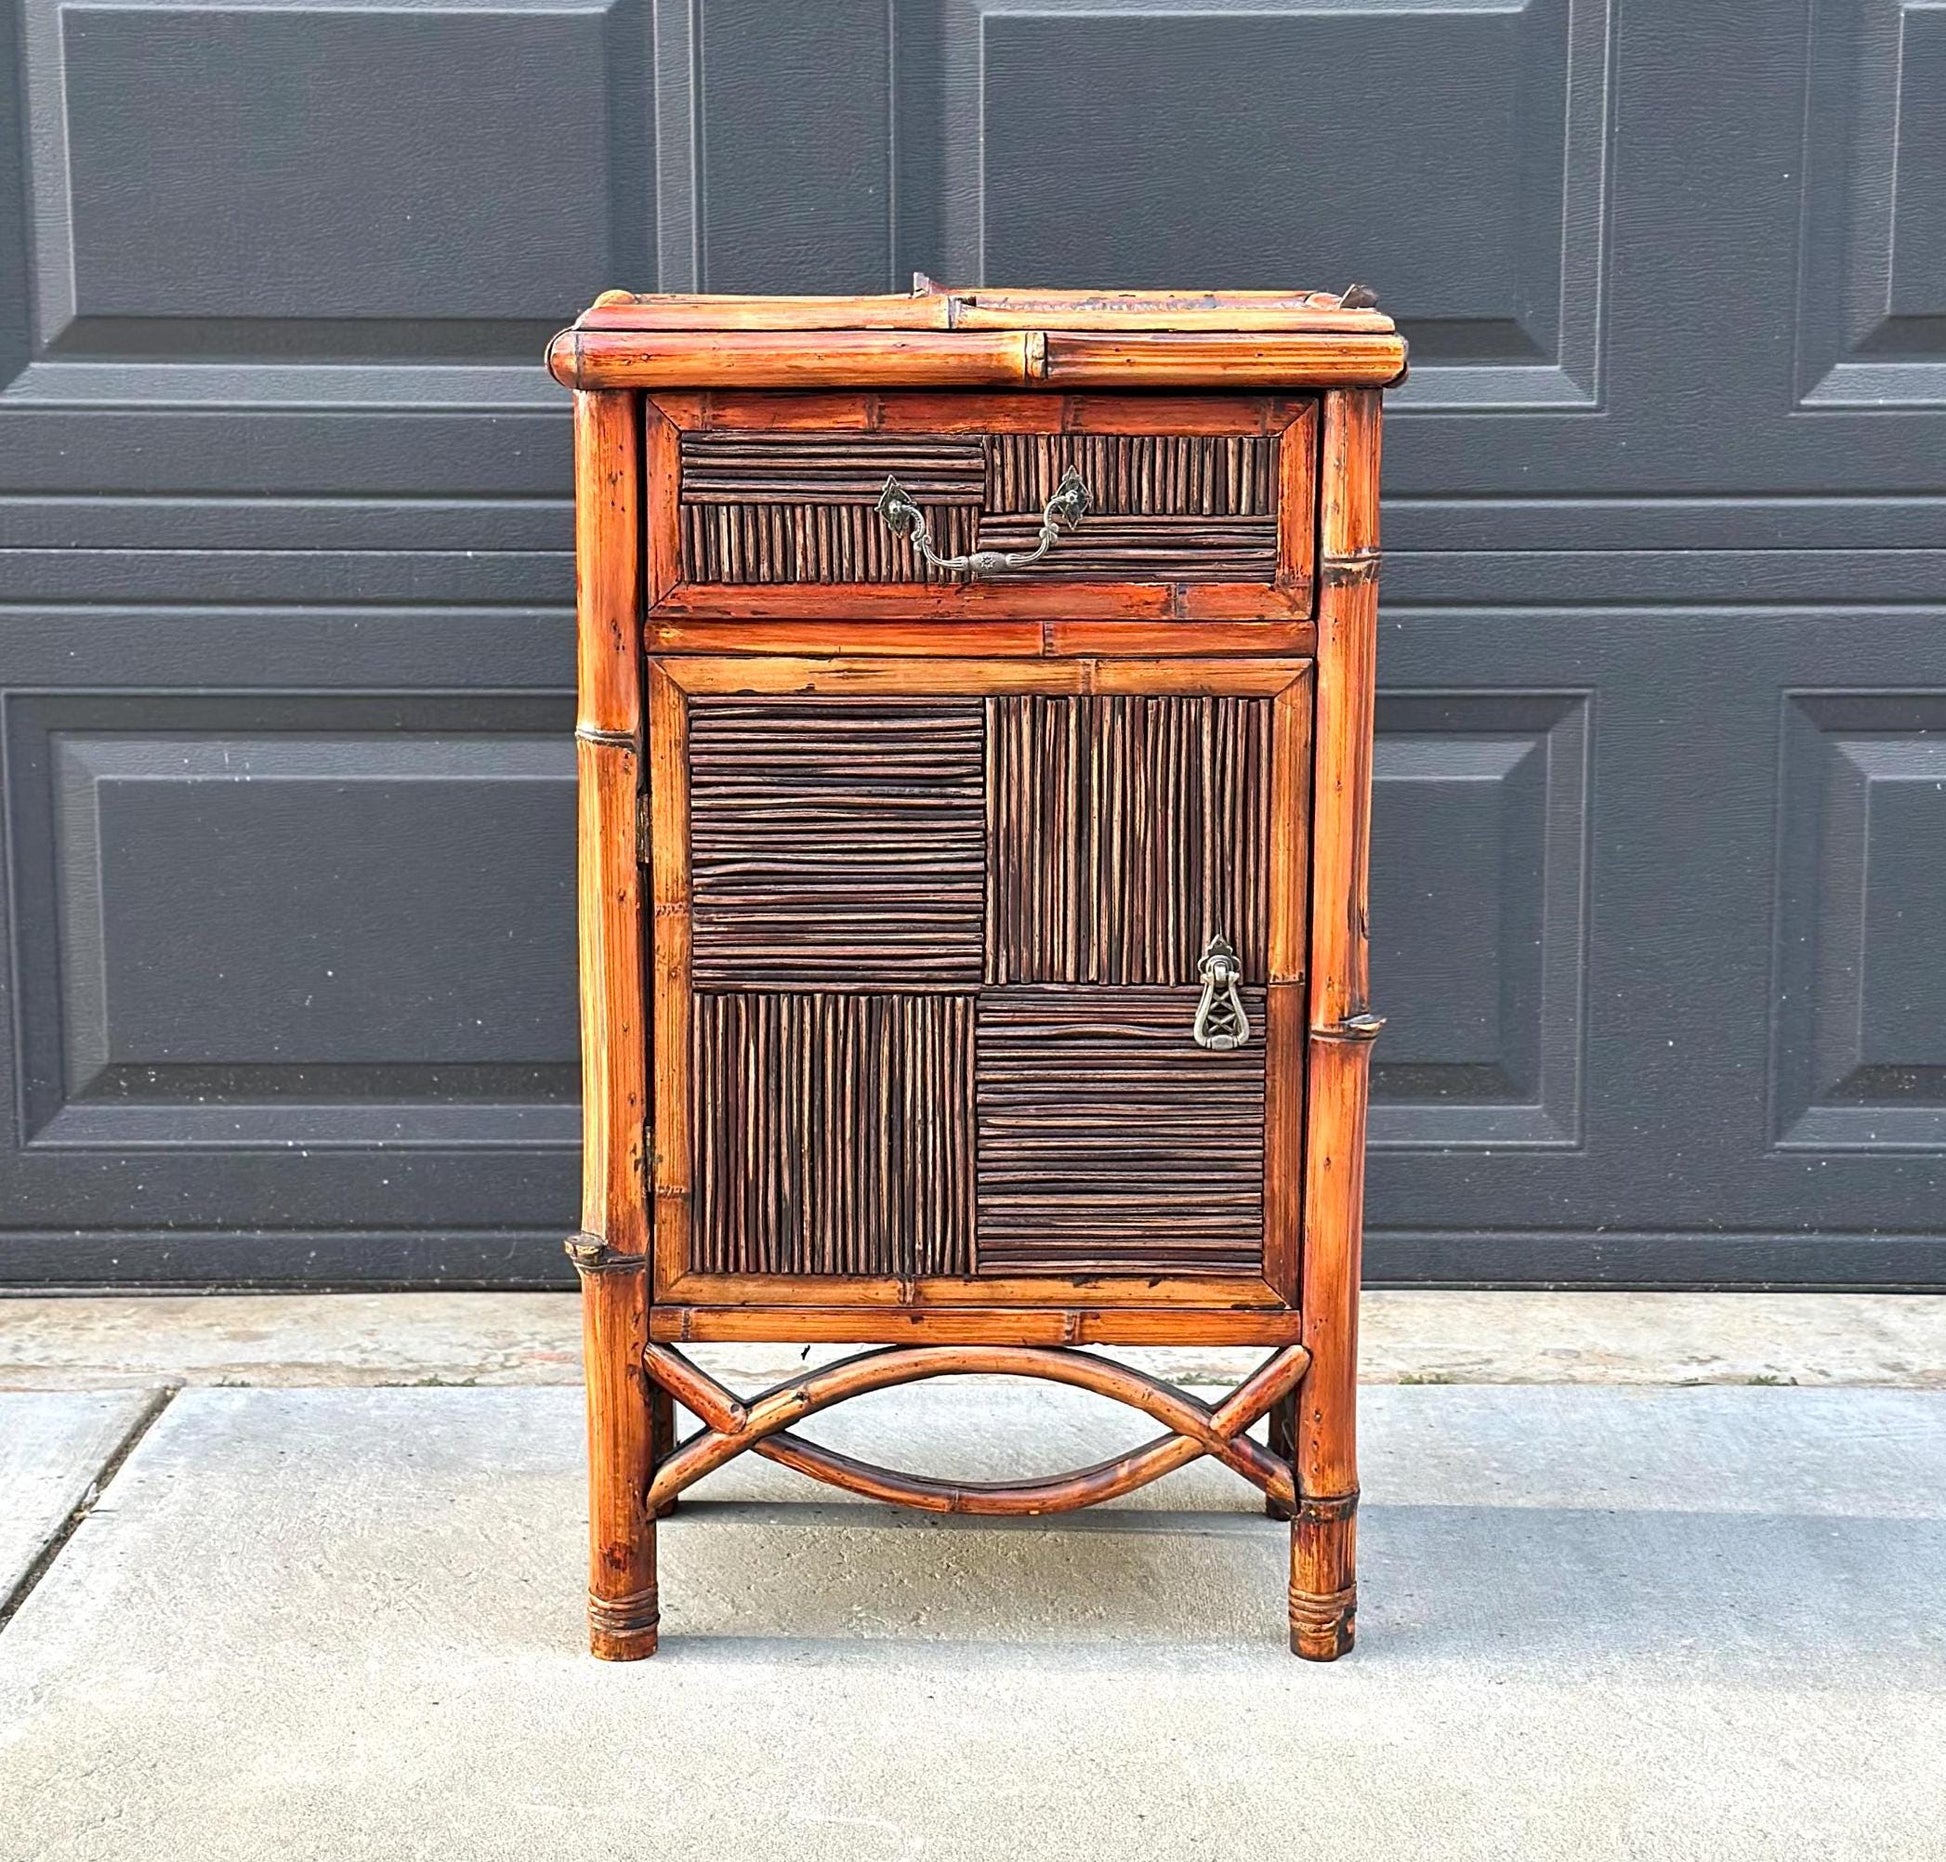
(975, 744)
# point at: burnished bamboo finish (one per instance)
(915, 411)
(840, 358)
(934, 1323)
(623, 1610)
(612, 1245)
(1114, 360)
(893, 924)
(933, 307)
(668, 867)
(608, 551)
(732, 1426)
(1323, 1535)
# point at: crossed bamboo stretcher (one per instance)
(733, 1426)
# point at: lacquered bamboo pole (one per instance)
(612, 1249)
(1116, 361)
(758, 358)
(1323, 1588)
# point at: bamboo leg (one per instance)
(611, 1251)
(622, 1609)
(1324, 1582)
(1324, 1589)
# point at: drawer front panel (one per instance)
(940, 985)
(803, 507)
(1194, 509)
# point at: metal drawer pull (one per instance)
(1220, 1020)
(1071, 502)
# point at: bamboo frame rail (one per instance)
(1274, 359)
(733, 1426)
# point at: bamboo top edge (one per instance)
(935, 308)
(1219, 355)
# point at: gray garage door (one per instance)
(1660, 892)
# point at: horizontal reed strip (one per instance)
(833, 1134)
(1143, 549)
(1122, 834)
(836, 843)
(1193, 474)
(830, 468)
(1109, 1141)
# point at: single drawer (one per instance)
(1141, 506)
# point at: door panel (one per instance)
(932, 1024)
(1123, 833)
(834, 1133)
(837, 843)
(1109, 1142)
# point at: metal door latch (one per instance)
(1220, 1020)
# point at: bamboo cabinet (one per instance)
(975, 725)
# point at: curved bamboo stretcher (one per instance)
(733, 1426)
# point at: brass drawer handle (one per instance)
(1220, 1020)
(1070, 503)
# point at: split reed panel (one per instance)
(802, 507)
(836, 843)
(835, 1134)
(764, 507)
(1109, 1142)
(1123, 833)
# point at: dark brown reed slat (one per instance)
(837, 843)
(833, 1134)
(803, 507)
(1123, 834)
(1109, 1141)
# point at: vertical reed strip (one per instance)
(1123, 832)
(835, 1133)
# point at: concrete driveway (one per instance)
(1596, 1621)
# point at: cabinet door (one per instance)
(931, 943)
